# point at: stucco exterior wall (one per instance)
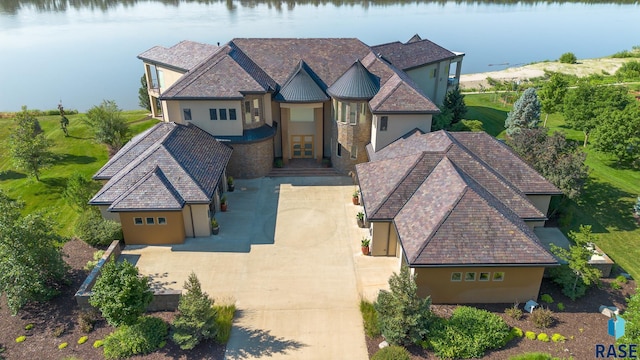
(172, 232)
(397, 126)
(251, 160)
(541, 202)
(384, 240)
(200, 116)
(435, 87)
(170, 77)
(518, 285)
(196, 220)
(534, 224)
(108, 214)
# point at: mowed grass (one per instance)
(77, 153)
(607, 200)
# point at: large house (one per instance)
(300, 98)
(459, 209)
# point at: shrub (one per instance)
(82, 340)
(141, 338)
(369, 319)
(568, 58)
(28, 327)
(20, 339)
(558, 338)
(468, 125)
(402, 314)
(120, 294)
(514, 312)
(97, 255)
(98, 343)
(546, 298)
(532, 356)
(59, 330)
(392, 353)
(542, 318)
(224, 320)
(63, 345)
(530, 335)
(97, 231)
(517, 331)
(196, 318)
(468, 333)
(86, 320)
(618, 282)
(543, 337)
(560, 306)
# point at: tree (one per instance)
(196, 318)
(120, 293)
(454, 101)
(31, 264)
(143, 94)
(79, 191)
(552, 95)
(632, 316)
(443, 120)
(619, 135)
(525, 112)
(587, 106)
(109, 125)
(403, 316)
(558, 160)
(582, 274)
(28, 146)
(568, 58)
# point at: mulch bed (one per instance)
(62, 313)
(580, 323)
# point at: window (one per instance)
(137, 220)
(232, 114)
(354, 152)
(213, 114)
(339, 150)
(384, 120)
(187, 114)
(470, 276)
(252, 110)
(342, 112)
(162, 221)
(223, 114)
(353, 111)
(498, 276)
(161, 78)
(150, 221)
(484, 276)
(456, 276)
(433, 73)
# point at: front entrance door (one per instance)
(302, 146)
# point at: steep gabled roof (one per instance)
(184, 56)
(303, 86)
(412, 54)
(186, 165)
(397, 96)
(357, 83)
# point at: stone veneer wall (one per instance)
(347, 135)
(163, 300)
(251, 160)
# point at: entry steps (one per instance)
(302, 172)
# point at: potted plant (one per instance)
(355, 199)
(223, 203)
(364, 244)
(326, 162)
(215, 228)
(278, 163)
(360, 218)
(230, 185)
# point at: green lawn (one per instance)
(607, 201)
(76, 153)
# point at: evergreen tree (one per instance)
(454, 101)
(196, 319)
(525, 112)
(143, 94)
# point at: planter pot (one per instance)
(365, 250)
(215, 230)
(355, 200)
(223, 207)
(231, 187)
(360, 223)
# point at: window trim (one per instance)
(232, 114)
(338, 150)
(456, 276)
(150, 221)
(384, 123)
(488, 274)
(186, 114)
(354, 152)
(470, 278)
(213, 114)
(222, 114)
(498, 276)
(135, 221)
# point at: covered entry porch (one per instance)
(302, 131)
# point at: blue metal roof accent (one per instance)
(252, 135)
(357, 83)
(302, 86)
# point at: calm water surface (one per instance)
(82, 55)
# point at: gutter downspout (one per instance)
(193, 228)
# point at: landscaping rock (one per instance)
(383, 344)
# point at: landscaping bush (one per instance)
(97, 231)
(392, 353)
(87, 319)
(532, 356)
(517, 332)
(560, 306)
(546, 298)
(142, 338)
(369, 319)
(618, 282)
(196, 318)
(568, 58)
(558, 338)
(224, 320)
(97, 255)
(565, 277)
(514, 312)
(542, 318)
(468, 333)
(543, 337)
(530, 335)
(468, 125)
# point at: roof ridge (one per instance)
(188, 127)
(256, 72)
(394, 88)
(160, 174)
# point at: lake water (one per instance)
(85, 54)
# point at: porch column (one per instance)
(285, 115)
(319, 136)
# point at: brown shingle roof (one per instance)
(396, 95)
(153, 192)
(184, 55)
(412, 54)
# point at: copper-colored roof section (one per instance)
(357, 83)
(184, 56)
(397, 96)
(303, 86)
(413, 53)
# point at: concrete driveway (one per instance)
(288, 255)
